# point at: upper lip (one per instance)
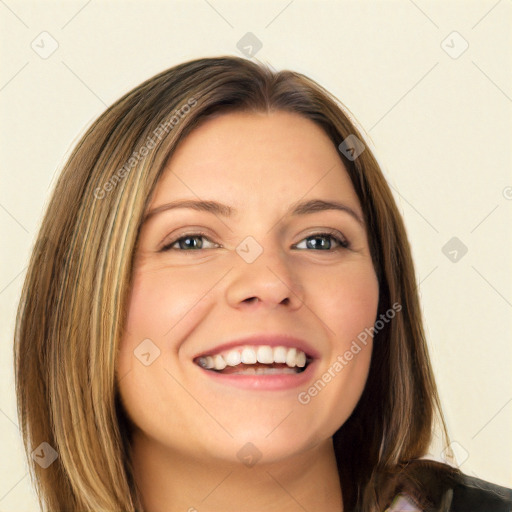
(273, 340)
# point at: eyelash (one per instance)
(335, 235)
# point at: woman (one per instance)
(221, 313)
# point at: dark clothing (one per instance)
(461, 493)
(475, 495)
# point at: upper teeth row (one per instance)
(251, 355)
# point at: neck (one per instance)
(170, 482)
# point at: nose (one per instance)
(269, 281)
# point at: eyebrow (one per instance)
(223, 210)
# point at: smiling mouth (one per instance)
(256, 360)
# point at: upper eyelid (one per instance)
(176, 239)
(342, 239)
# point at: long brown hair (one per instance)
(73, 304)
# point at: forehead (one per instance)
(243, 156)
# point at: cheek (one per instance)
(347, 302)
(161, 300)
(161, 308)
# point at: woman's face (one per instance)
(272, 271)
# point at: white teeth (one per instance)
(248, 356)
(291, 357)
(219, 363)
(301, 359)
(280, 355)
(265, 355)
(233, 358)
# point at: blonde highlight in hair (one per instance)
(72, 310)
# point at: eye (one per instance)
(322, 241)
(317, 241)
(190, 241)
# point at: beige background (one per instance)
(441, 127)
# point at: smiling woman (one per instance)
(233, 322)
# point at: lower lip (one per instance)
(264, 382)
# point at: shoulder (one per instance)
(472, 494)
(430, 486)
